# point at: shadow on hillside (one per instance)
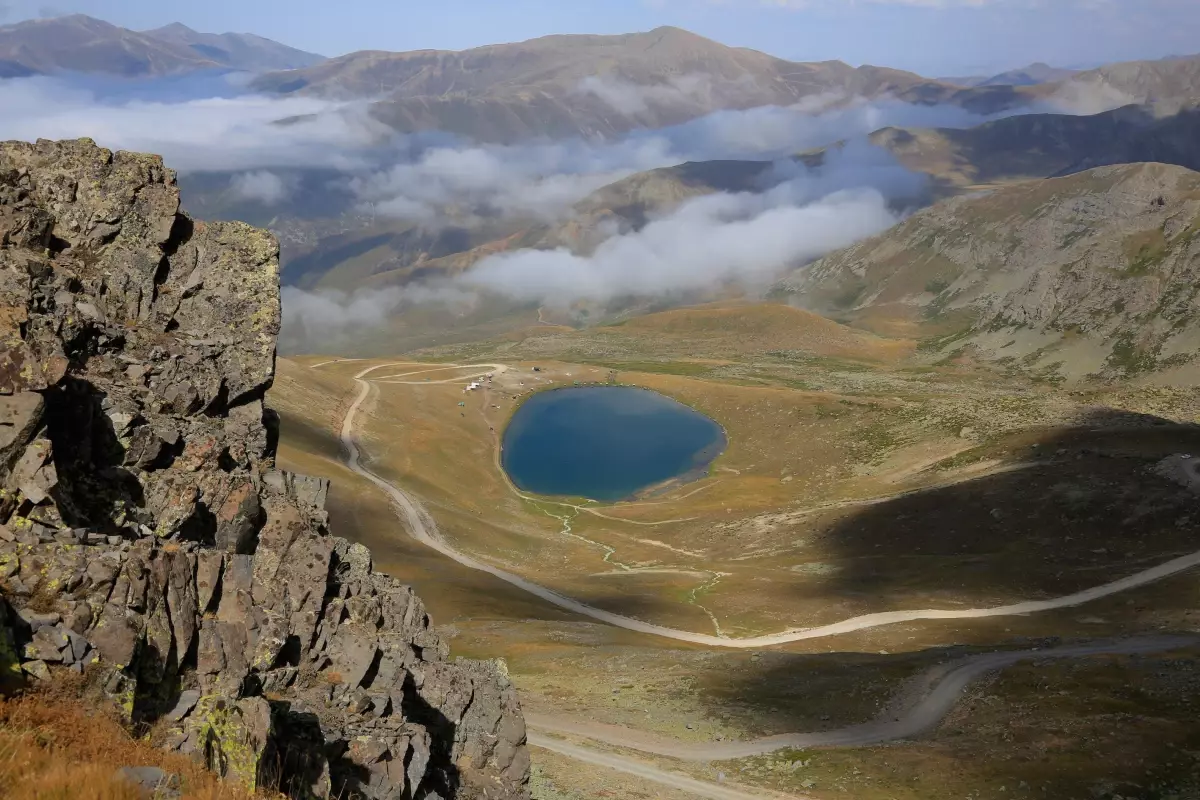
(308, 438)
(1055, 728)
(1092, 510)
(1086, 508)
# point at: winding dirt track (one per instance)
(422, 528)
(923, 715)
(631, 766)
(926, 713)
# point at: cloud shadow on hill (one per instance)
(1092, 509)
(1084, 507)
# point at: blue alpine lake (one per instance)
(606, 443)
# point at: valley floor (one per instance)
(853, 487)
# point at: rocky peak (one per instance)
(146, 537)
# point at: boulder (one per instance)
(232, 737)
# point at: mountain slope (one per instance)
(1171, 82)
(242, 51)
(82, 44)
(599, 85)
(1031, 75)
(79, 43)
(1095, 273)
(1044, 145)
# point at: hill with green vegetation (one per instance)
(1094, 274)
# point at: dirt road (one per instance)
(920, 717)
(422, 528)
(641, 769)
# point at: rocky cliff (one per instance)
(148, 540)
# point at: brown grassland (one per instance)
(856, 480)
(54, 747)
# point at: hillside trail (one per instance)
(650, 772)
(422, 527)
(919, 717)
(930, 709)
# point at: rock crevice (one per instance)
(146, 535)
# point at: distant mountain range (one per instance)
(1032, 75)
(559, 86)
(608, 85)
(80, 43)
(603, 85)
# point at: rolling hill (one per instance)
(1091, 274)
(79, 43)
(1044, 145)
(601, 85)
(1031, 75)
(243, 51)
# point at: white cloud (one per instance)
(744, 238)
(543, 179)
(708, 242)
(260, 186)
(631, 98)
(206, 133)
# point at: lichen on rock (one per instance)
(146, 536)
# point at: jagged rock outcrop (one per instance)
(145, 532)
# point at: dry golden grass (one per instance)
(54, 746)
(733, 329)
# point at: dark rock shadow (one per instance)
(442, 774)
(1088, 508)
(296, 757)
(306, 437)
(88, 458)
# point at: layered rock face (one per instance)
(147, 537)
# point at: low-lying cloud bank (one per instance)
(207, 123)
(742, 240)
(200, 130)
(261, 147)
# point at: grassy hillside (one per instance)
(1091, 274)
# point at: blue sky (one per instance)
(935, 37)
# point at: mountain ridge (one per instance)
(591, 85)
(245, 51)
(80, 43)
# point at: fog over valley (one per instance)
(285, 161)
